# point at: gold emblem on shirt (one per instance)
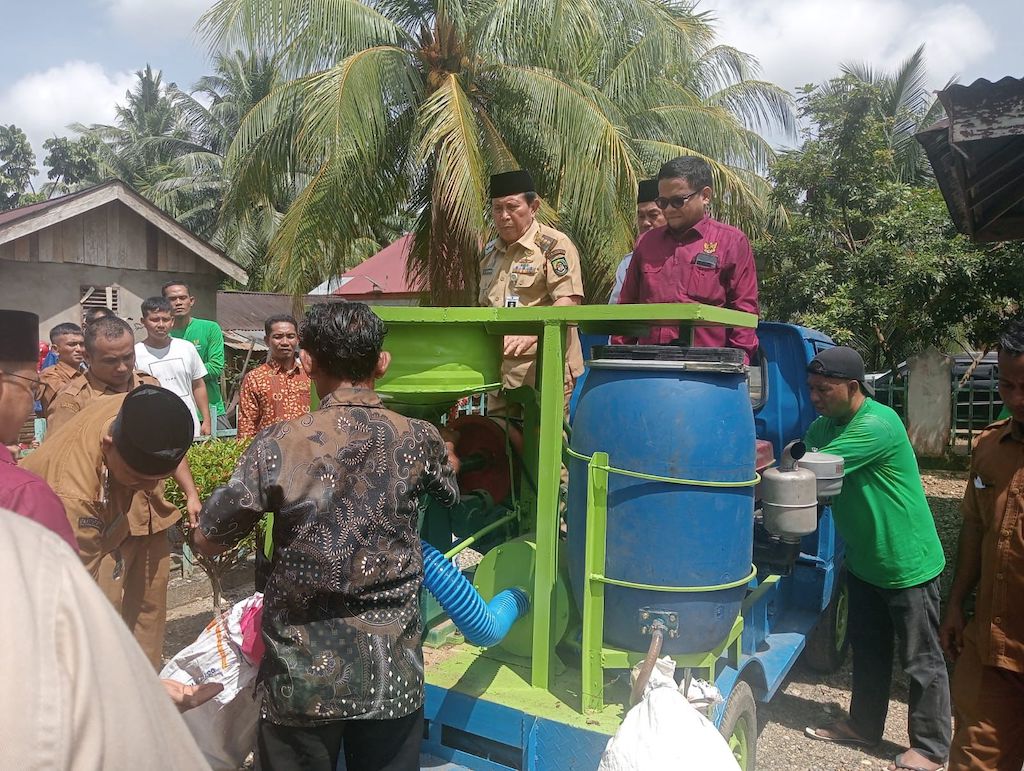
(710, 247)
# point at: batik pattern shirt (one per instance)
(270, 394)
(341, 618)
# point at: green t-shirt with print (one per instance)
(208, 339)
(882, 513)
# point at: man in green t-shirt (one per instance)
(893, 559)
(205, 335)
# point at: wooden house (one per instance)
(106, 245)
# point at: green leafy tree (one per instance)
(70, 163)
(867, 257)
(406, 106)
(908, 106)
(17, 167)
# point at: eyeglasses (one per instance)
(676, 201)
(37, 386)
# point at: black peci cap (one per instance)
(840, 362)
(511, 183)
(647, 191)
(19, 336)
(153, 430)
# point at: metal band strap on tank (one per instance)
(655, 478)
(692, 589)
(671, 480)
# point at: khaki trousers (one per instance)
(988, 703)
(134, 577)
(498, 406)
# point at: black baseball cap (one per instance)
(153, 430)
(840, 362)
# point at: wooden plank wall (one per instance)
(111, 236)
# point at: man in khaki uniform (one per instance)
(528, 265)
(110, 354)
(135, 577)
(67, 341)
(111, 455)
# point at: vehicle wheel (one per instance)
(828, 643)
(739, 726)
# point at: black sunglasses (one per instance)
(676, 201)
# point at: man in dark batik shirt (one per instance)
(341, 618)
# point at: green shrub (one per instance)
(212, 463)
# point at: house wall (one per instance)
(52, 290)
(110, 236)
(43, 271)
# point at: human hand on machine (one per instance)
(451, 438)
(519, 345)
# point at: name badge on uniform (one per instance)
(512, 301)
(705, 260)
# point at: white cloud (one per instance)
(168, 18)
(804, 41)
(44, 103)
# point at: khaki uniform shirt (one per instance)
(539, 268)
(81, 694)
(82, 390)
(54, 380)
(101, 515)
(994, 508)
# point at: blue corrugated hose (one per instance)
(481, 623)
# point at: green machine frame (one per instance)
(543, 453)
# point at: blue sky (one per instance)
(72, 60)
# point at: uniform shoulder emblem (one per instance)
(545, 242)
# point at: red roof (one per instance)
(382, 274)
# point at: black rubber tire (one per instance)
(825, 652)
(741, 709)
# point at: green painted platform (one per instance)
(480, 674)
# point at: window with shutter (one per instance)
(101, 297)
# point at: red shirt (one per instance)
(26, 494)
(711, 264)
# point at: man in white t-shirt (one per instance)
(175, 363)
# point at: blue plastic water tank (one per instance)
(672, 412)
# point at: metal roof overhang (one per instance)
(977, 154)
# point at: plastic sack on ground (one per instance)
(224, 727)
(666, 731)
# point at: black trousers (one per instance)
(907, 619)
(370, 745)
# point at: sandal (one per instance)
(827, 733)
(899, 765)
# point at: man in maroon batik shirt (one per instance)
(692, 259)
(21, 491)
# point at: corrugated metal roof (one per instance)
(248, 310)
(977, 154)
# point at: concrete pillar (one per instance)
(929, 402)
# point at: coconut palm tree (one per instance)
(127, 148)
(908, 106)
(408, 106)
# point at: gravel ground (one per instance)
(807, 698)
